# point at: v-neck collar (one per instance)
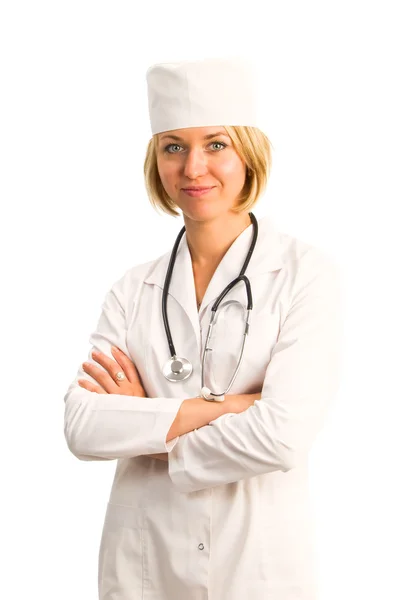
(267, 256)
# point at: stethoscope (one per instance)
(177, 368)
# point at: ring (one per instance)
(120, 376)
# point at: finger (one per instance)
(91, 386)
(111, 366)
(127, 365)
(102, 377)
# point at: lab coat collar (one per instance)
(267, 257)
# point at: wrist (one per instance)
(195, 413)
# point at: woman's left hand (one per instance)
(131, 385)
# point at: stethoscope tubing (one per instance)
(241, 277)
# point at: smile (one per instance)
(197, 192)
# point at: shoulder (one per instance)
(308, 266)
(290, 254)
(126, 288)
(301, 255)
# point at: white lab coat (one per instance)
(228, 517)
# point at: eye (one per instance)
(169, 146)
(166, 149)
(220, 144)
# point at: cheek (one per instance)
(167, 174)
(233, 170)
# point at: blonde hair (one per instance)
(250, 143)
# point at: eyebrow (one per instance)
(206, 137)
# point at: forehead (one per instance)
(193, 133)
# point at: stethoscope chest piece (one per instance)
(177, 369)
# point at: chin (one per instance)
(204, 211)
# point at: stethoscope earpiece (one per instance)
(207, 395)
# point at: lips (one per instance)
(197, 189)
(195, 192)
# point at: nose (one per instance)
(195, 164)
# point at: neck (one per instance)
(208, 241)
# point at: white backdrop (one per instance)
(75, 216)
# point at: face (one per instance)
(200, 157)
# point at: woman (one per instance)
(210, 497)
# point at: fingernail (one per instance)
(114, 349)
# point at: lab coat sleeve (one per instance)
(301, 380)
(111, 426)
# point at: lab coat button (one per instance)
(201, 546)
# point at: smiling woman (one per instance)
(210, 495)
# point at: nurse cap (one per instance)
(201, 93)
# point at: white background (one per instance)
(75, 216)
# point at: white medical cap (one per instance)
(202, 93)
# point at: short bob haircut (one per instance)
(253, 147)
